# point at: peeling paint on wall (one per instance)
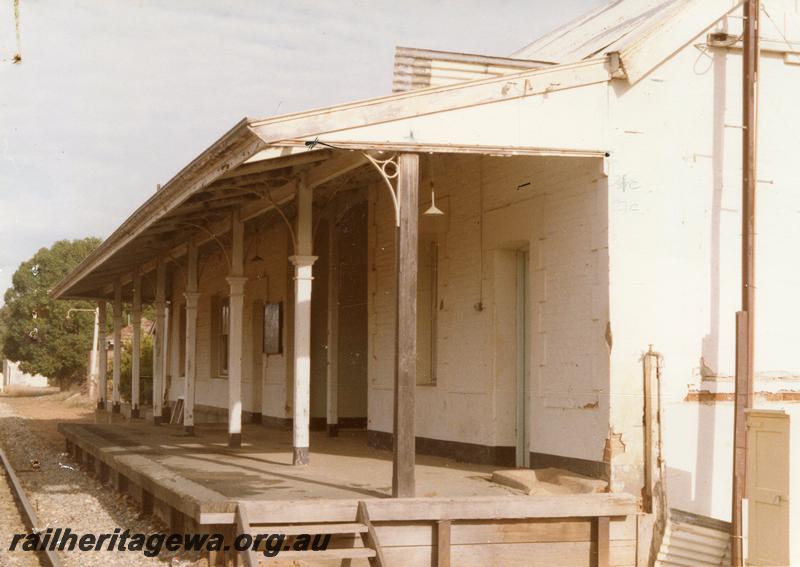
(614, 446)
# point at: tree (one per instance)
(36, 330)
(126, 370)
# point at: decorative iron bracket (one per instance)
(389, 171)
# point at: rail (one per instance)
(29, 514)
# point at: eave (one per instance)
(227, 157)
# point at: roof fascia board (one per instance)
(684, 23)
(459, 57)
(432, 148)
(239, 144)
(433, 100)
(234, 147)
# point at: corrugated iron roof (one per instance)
(602, 30)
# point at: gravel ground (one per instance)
(61, 493)
(12, 523)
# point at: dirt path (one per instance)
(63, 495)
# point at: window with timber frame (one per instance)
(182, 340)
(220, 326)
(427, 308)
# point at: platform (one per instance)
(196, 483)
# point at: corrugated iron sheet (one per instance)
(599, 31)
(691, 540)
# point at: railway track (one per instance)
(29, 517)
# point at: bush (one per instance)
(145, 371)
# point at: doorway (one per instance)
(522, 362)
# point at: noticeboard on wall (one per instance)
(273, 324)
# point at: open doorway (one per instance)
(346, 262)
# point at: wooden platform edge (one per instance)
(146, 472)
(437, 508)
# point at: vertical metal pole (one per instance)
(745, 319)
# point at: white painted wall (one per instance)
(674, 238)
(653, 248)
(561, 218)
(267, 281)
(13, 376)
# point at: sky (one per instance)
(113, 97)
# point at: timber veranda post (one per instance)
(102, 352)
(745, 319)
(136, 343)
(303, 261)
(190, 369)
(160, 337)
(116, 376)
(405, 381)
(236, 282)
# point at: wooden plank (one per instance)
(443, 543)
(343, 553)
(243, 527)
(337, 528)
(440, 508)
(136, 343)
(236, 282)
(429, 101)
(102, 364)
(601, 541)
(647, 490)
(332, 376)
(211, 518)
(190, 363)
(159, 370)
(316, 176)
(510, 555)
(474, 149)
(117, 322)
(394, 534)
(370, 538)
(521, 531)
(743, 401)
(624, 528)
(405, 380)
(622, 553)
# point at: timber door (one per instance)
(768, 487)
(523, 394)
